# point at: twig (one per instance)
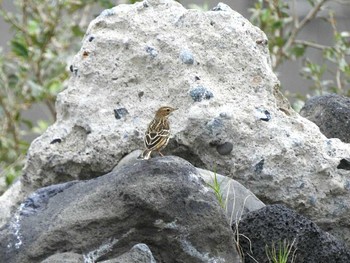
(310, 44)
(337, 77)
(295, 17)
(296, 29)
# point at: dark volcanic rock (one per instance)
(276, 223)
(161, 202)
(331, 113)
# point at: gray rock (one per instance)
(162, 202)
(277, 154)
(274, 224)
(200, 93)
(10, 200)
(186, 57)
(67, 257)
(331, 113)
(238, 199)
(140, 253)
(225, 148)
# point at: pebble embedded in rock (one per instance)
(186, 57)
(344, 164)
(73, 70)
(259, 166)
(119, 113)
(58, 140)
(151, 51)
(215, 126)
(199, 93)
(225, 148)
(263, 114)
(221, 7)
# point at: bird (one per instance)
(158, 132)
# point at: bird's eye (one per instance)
(167, 110)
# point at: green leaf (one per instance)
(19, 49)
(277, 24)
(106, 3)
(298, 50)
(279, 41)
(10, 177)
(54, 87)
(33, 27)
(311, 2)
(41, 127)
(343, 64)
(12, 81)
(77, 31)
(27, 123)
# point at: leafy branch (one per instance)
(46, 34)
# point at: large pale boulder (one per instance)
(215, 67)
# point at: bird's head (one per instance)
(164, 111)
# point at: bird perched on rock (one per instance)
(158, 132)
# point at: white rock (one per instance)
(130, 61)
(9, 201)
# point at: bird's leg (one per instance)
(160, 154)
(146, 154)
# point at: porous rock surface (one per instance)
(215, 67)
(331, 113)
(273, 225)
(161, 202)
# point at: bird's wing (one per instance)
(155, 140)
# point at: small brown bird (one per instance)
(158, 132)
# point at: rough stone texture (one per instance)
(331, 113)
(161, 202)
(238, 199)
(64, 258)
(10, 200)
(229, 95)
(276, 223)
(139, 253)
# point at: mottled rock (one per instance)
(275, 224)
(10, 200)
(331, 113)
(200, 93)
(140, 253)
(230, 94)
(67, 257)
(121, 112)
(162, 202)
(238, 200)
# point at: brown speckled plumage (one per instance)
(158, 132)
